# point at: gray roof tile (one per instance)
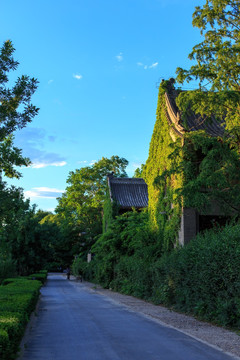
(193, 122)
(128, 192)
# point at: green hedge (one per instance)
(18, 298)
(41, 276)
(203, 278)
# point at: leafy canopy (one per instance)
(18, 226)
(16, 110)
(217, 63)
(80, 208)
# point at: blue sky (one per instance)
(98, 63)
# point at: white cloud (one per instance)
(153, 65)
(44, 188)
(77, 76)
(145, 67)
(86, 162)
(82, 162)
(50, 81)
(119, 57)
(39, 165)
(43, 192)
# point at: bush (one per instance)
(4, 343)
(39, 276)
(203, 278)
(132, 276)
(43, 272)
(78, 266)
(124, 255)
(18, 298)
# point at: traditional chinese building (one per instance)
(168, 216)
(124, 194)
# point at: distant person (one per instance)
(68, 273)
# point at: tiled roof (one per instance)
(128, 192)
(193, 121)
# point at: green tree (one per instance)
(11, 156)
(217, 64)
(138, 173)
(217, 68)
(17, 222)
(18, 230)
(80, 208)
(16, 109)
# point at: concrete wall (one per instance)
(189, 226)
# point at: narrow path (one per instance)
(74, 323)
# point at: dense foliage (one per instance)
(210, 169)
(164, 206)
(18, 299)
(216, 63)
(16, 110)
(123, 255)
(80, 209)
(203, 277)
(19, 250)
(25, 245)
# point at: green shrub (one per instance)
(132, 276)
(203, 278)
(38, 276)
(123, 252)
(5, 348)
(43, 272)
(13, 325)
(79, 266)
(18, 298)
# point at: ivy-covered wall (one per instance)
(110, 211)
(164, 206)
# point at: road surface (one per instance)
(74, 323)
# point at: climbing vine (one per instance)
(164, 205)
(110, 211)
(195, 170)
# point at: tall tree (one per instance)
(16, 110)
(17, 222)
(217, 64)
(80, 208)
(217, 68)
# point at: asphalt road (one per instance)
(74, 323)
